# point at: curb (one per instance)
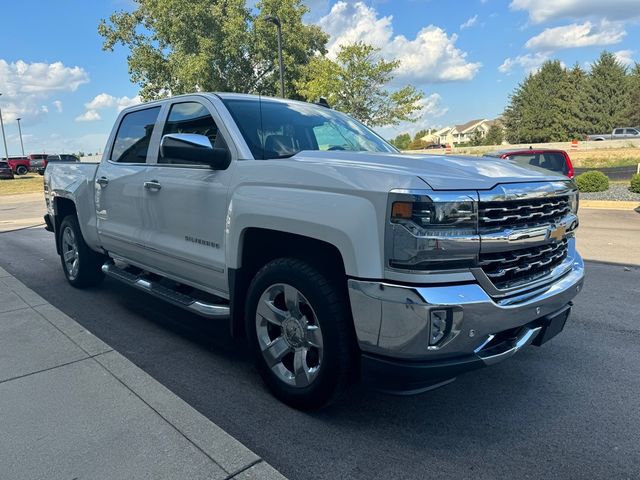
(609, 205)
(231, 456)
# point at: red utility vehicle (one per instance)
(19, 165)
(548, 159)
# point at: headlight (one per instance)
(574, 202)
(432, 231)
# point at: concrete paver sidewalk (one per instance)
(72, 407)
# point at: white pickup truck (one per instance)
(338, 257)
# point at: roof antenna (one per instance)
(323, 102)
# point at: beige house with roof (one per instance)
(459, 133)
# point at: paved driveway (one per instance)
(566, 410)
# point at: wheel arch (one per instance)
(259, 246)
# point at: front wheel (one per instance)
(81, 265)
(298, 324)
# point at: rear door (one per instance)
(120, 184)
(186, 205)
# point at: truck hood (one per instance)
(438, 171)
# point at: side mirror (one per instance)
(194, 148)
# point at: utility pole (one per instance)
(20, 132)
(276, 21)
(4, 138)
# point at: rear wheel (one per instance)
(81, 265)
(299, 331)
(22, 170)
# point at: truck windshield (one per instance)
(278, 129)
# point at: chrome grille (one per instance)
(532, 212)
(518, 267)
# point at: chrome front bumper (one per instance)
(392, 321)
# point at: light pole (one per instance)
(4, 139)
(20, 132)
(276, 21)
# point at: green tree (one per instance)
(530, 116)
(606, 94)
(570, 106)
(402, 141)
(180, 46)
(631, 113)
(495, 135)
(356, 83)
(476, 138)
(417, 143)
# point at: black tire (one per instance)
(329, 310)
(22, 170)
(88, 271)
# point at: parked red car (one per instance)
(554, 160)
(19, 165)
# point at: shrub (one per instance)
(593, 181)
(635, 183)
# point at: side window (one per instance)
(191, 117)
(631, 131)
(134, 134)
(618, 131)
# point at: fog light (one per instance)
(439, 324)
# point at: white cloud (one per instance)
(529, 62)
(577, 35)
(544, 10)
(104, 100)
(625, 57)
(470, 22)
(25, 85)
(58, 105)
(430, 57)
(88, 116)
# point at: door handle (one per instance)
(102, 181)
(152, 185)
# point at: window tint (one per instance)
(53, 158)
(134, 134)
(618, 131)
(631, 131)
(277, 129)
(191, 117)
(550, 161)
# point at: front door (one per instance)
(186, 204)
(120, 185)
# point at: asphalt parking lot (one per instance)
(565, 410)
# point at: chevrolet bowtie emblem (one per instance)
(556, 232)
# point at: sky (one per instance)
(466, 56)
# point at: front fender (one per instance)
(348, 222)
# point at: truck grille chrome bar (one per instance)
(518, 267)
(532, 212)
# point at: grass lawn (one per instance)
(31, 183)
(613, 157)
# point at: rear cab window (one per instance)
(549, 161)
(133, 136)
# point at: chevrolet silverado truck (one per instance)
(339, 258)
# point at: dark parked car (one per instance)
(5, 170)
(61, 157)
(547, 159)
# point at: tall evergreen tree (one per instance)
(606, 94)
(569, 106)
(632, 111)
(530, 116)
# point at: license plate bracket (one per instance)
(551, 326)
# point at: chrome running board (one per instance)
(205, 309)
